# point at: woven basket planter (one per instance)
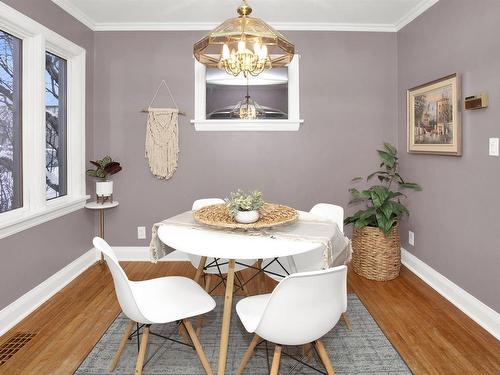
(376, 256)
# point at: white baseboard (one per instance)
(483, 315)
(30, 301)
(27, 303)
(141, 254)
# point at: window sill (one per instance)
(247, 125)
(21, 219)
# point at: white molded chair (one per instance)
(211, 268)
(312, 260)
(330, 211)
(156, 301)
(301, 309)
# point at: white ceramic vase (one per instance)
(104, 188)
(247, 217)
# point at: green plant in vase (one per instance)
(244, 207)
(104, 168)
(376, 225)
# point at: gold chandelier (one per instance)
(244, 45)
(248, 108)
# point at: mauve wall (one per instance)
(348, 101)
(31, 256)
(455, 218)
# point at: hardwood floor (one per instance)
(431, 334)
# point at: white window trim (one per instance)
(37, 39)
(291, 124)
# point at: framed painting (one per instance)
(433, 123)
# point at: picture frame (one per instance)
(434, 117)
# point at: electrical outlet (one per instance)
(141, 233)
(411, 238)
(493, 147)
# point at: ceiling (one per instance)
(349, 15)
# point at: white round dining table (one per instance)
(233, 246)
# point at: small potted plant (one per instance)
(244, 207)
(104, 168)
(375, 239)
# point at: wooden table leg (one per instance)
(226, 320)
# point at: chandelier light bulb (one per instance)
(263, 52)
(242, 46)
(256, 48)
(225, 52)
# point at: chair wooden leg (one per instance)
(123, 342)
(243, 286)
(262, 278)
(323, 355)
(197, 346)
(275, 367)
(347, 321)
(208, 282)
(142, 351)
(199, 270)
(199, 323)
(307, 352)
(248, 354)
(197, 277)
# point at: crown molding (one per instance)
(81, 16)
(76, 12)
(414, 13)
(206, 26)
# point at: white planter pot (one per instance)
(104, 188)
(247, 217)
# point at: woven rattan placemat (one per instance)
(271, 215)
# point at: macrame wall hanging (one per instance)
(162, 137)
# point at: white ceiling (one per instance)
(355, 15)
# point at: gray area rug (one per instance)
(364, 350)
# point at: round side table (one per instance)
(101, 207)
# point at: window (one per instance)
(42, 123)
(10, 122)
(55, 125)
(261, 97)
(268, 102)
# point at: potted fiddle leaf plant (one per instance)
(244, 207)
(103, 169)
(376, 240)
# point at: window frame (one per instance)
(291, 124)
(37, 39)
(62, 131)
(18, 120)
